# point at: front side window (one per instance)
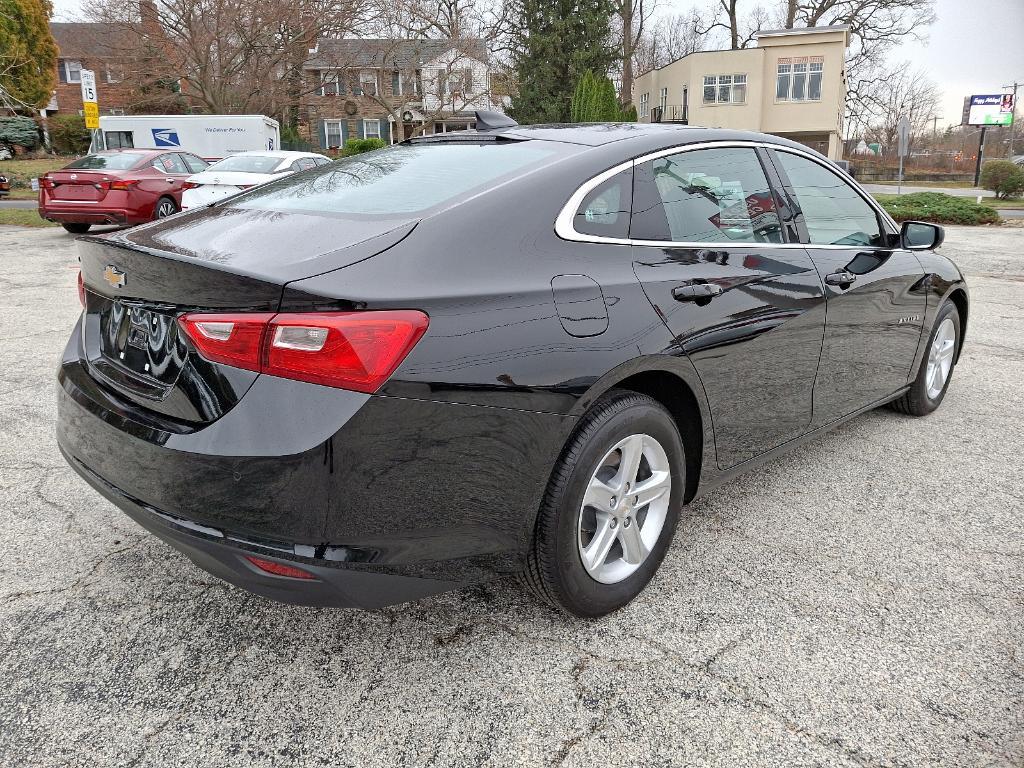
(195, 164)
(799, 79)
(834, 213)
(605, 210)
(705, 196)
(725, 89)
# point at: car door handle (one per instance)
(841, 278)
(699, 292)
(170, 181)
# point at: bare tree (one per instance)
(229, 56)
(901, 92)
(740, 24)
(667, 40)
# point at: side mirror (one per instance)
(921, 236)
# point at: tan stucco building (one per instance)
(793, 84)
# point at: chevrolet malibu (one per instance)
(519, 350)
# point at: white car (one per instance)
(246, 169)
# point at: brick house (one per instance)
(95, 46)
(392, 89)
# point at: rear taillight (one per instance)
(280, 569)
(245, 186)
(46, 182)
(190, 185)
(349, 350)
(123, 184)
(81, 288)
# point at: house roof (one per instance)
(382, 52)
(89, 40)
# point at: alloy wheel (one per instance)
(940, 358)
(165, 209)
(624, 509)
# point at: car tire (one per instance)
(165, 207)
(75, 228)
(937, 364)
(569, 531)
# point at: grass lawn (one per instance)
(20, 172)
(21, 194)
(1015, 203)
(19, 217)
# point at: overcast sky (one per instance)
(975, 46)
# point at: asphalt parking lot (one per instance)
(859, 602)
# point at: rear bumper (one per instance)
(223, 555)
(385, 499)
(86, 215)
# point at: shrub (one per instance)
(68, 134)
(938, 208)
(358, 146)
(1003, 177)
(19, 131)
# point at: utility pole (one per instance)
(1013, 123)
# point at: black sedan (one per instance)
(514, 350)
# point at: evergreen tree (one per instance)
(28, 54)
(556, 42)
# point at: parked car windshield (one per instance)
(117, 162)
(405, 178)
(247, 164)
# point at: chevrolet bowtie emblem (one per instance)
(114, 276)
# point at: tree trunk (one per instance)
(626, 87)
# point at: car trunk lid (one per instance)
(81, 186)
(140, 281)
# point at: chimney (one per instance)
(150, 18)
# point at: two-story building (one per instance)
(94, 46)
(392, 89)
(793, 84)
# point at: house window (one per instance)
(72, 71)
(332, 131)
(663, 99)
(686, 102)
(368, 82)
(456, 84)
(371, 129)
(799, 79)
(114, 73)
(645, 99)
(725, 89)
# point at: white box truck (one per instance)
(210, 136)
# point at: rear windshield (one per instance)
(120, 162)
(405, 178)
(247, 164)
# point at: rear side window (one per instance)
(170, 163)
(705, 196)
(404, 178)
(834, 213)
(605, 210)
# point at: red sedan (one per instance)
(120, 187)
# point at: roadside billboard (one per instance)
(990, 109)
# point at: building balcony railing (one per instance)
(672, 113)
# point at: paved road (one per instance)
(5, 203)
(857, 603)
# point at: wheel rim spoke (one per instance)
(634, 550)
(632, 451)
(599, 495)
(596, 552)
(651, 489)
